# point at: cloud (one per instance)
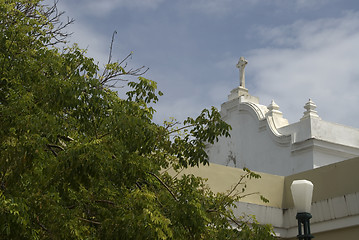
(105, 7)
(224, 7)
(179, 109)
(211, 6)
(102, 8)
(221, 7)
(309, 4)
(97, 46)
(310, 59)
(290, 63)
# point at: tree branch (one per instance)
(89, 221)
(248, 194)
(55, 146)
(52, 150)
(105, 201)
(69, 139)
(110, 54)
(229, 217)
(113, 70)
(40, 224)
(181, 128)
(237, 184)
(168, 189)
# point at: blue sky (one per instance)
(296, 49)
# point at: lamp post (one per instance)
(302, 191)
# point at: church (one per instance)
(262, 140)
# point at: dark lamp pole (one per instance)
(302, 191)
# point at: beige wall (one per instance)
(221, 179)
(329, 181)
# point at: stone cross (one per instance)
(241, 64)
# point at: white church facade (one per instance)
(262, 140)
(325, 153)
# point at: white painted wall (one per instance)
(262, 140)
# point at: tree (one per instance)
(79, 162)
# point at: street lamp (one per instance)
(302, 191)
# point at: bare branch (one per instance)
(52, 150)
(69, 139)
(181, 128)
(125, 59)
(248, 194)
(105, 201)
(229, 217)
(114, 70)
(112, 40)
(234, 221)
(178, 173)
(52, 26)
(138, 185)
(170, 124)
(237, 184)
(168, 189)
(40, 224)
(89, 221)
(55, 146)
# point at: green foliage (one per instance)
(79, 162)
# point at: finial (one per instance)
(310, 110)
(273, 109)
(273, 106)
(240, 65)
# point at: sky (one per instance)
(296, 50)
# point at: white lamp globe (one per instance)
(302, 191)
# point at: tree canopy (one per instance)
(79, 162)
